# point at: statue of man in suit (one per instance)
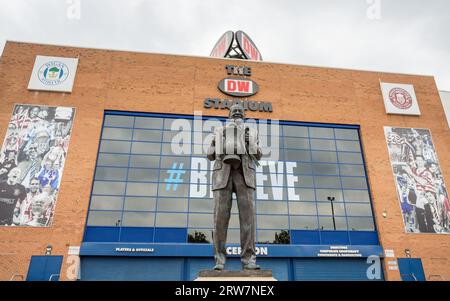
(235, 149)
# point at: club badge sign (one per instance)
(400, 99)
(53, 74)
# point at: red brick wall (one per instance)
(178, 84)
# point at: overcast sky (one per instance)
(404, 36)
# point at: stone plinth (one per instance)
(235, 275)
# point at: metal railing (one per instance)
(435, 278)
(53, 275)
(16, 275)
(403, 276)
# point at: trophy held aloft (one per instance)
(233, 141)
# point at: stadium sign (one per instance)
(247, 46)
(223, 45)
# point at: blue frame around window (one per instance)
(94, 233)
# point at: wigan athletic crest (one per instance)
(53, 73)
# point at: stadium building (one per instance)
(104, 176)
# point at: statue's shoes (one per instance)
(218, 267)
(251, 266)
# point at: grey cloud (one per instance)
(410, 37)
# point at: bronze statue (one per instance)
(235, 149)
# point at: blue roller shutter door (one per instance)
(281, 267)
(131, 268)
(170, 269)
(314, 269)
(175, 269)
(44, 268)
(411, 269)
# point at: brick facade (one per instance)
(178, 84)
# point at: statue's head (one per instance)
(237, 112)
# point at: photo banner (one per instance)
(32, 162)
(418, 177)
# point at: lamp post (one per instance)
(331, 199)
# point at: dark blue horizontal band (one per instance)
(206, 250)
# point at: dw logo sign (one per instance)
(238, 87)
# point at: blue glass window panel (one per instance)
(323, 144)
(354, 158)
(146, 148)
(320, 132)
(361, 223)
(119, 121)
(104, 218)
(141, 189)
(136, 234)
(111, 173)
(138, 219)
(170, 235)
(334, 237)
(106, 202)
(143, 174)
(147, 135)
(352, 170)
(108, 187)
(102, 234)
(324, 156)
(295, 131)
(117, 160)
(149, 123)
(348, 146)
(354, 183)
(363, 237)
(348, 134)
(117, 133)
(305, 237)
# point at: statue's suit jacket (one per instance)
(221, 171)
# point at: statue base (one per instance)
(235, 275)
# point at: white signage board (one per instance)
(74, 250)
(400, 99)
(53, 74)
(389, 253)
